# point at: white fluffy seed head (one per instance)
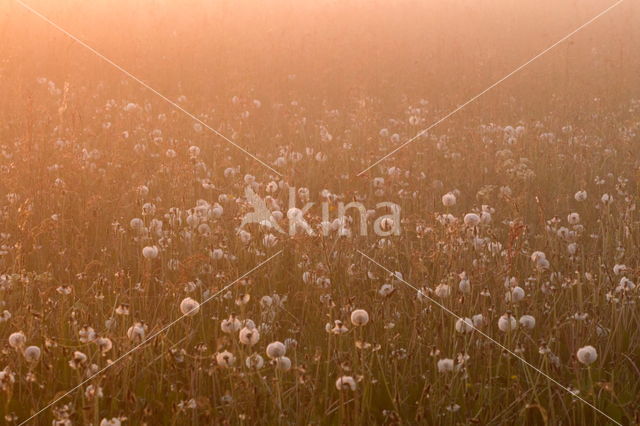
(225, 359)
(276, 350)
(359, 317)
(32, 353)
(445, 365)
(471, 219)
(464, 325)
(516, 294)
(17, 340)
(538, 255)
(346, 383)
(587, 355)
(249, 336)
(580, 196)
(443, 291)
(283, 363)
(136, 332)
(573, 218)
(254, 361)
(189, 307)
(478, 320)
(230, 325)
(507, 322)
(449, 199)
(527, 321)
(464, 286)
(136, 224)
(150, 252)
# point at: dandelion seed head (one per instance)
(587, 355)
(359, 317)
(189, 306)
(17, 340)
(346, 383)
(32, 354)
(276, 350)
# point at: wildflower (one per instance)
(527, 321)
(339, 327)
(283, 363)
(189, 307)
(87, 334)
(464, 285)
(17, 340)
(471, 219)
(64, 290)
(359, 317)
(625, 285)
(32, 354)
(194, 151)
(150, 252)
(345, 383)
(136, 224)
(464, 325)
(243, 299)
(136, 332)
(290, 343)
(79, 359)
(507, 323)
(216, 254)
(537, 255)
(515, 295)
(478, 320)
(443, 291)
(230, 325)
(276, 350)
(580, 316)
(453, 408)
(7, 379)
(587, 355)
(104, 343)
(93, 392)
(573, 218)
(445, 365)
(485, 216)
(225, 359)
(130, 107)
(249, 335)
(540, 260)
(619, 269)
(386, 290)
(122, 309)
(580, 196)
(254, 361)
(449, 199)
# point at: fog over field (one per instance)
(319, 212)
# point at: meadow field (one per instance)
(319, 212)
